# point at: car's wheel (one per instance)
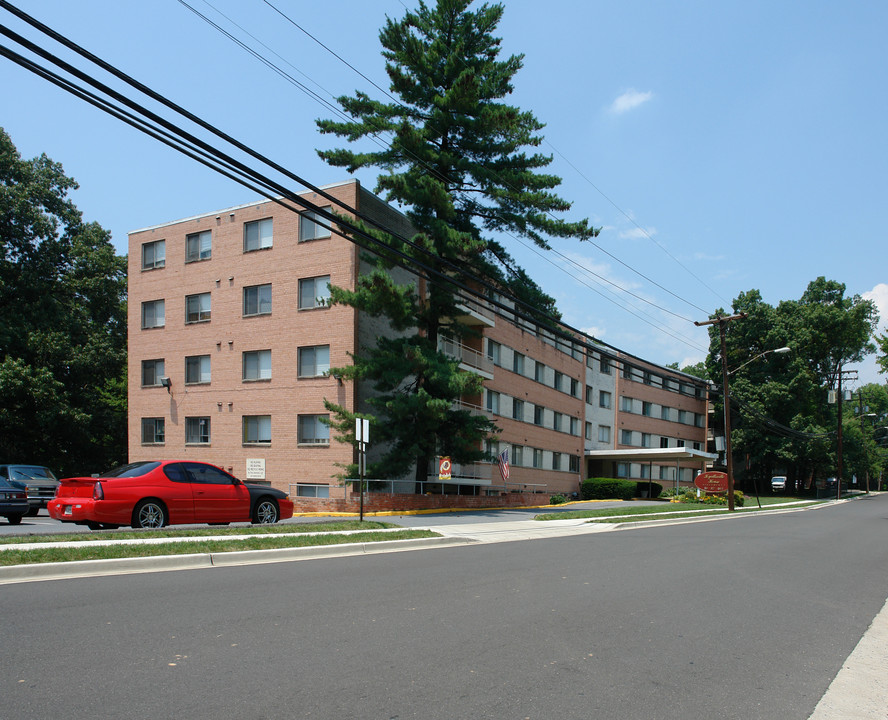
(14, 519)
(33, 511)
(266, 511)
(149, 514)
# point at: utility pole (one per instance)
(852, 375)
(729, 462)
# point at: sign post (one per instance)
(362, 435)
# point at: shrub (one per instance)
(642, 488)
(557, 500)
(607, 489)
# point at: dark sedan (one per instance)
(170, 492)
(13, 502)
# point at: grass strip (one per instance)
(667, 509)
(313, 527)
(105, 552)
(690, 514)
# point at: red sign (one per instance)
(444, 468)
(712, 481)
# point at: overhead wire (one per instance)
(528, 246)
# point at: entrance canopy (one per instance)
(649, 455)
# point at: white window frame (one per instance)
(150, 310)
(155, 427)
(197, 431)
(199, 246)
(309, 227)
(320, 292)
(203, 366)
(158, 259)
(261, 360)
(198, 308)
(313, 361)
(257, 300)
(311, 431)
(258, 235)
(257, 429)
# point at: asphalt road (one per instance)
(743, 617)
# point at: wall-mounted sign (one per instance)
(255, 468)
(444, 468)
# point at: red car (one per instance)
(171, 492)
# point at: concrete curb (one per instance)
(197, 561)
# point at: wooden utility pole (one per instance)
(729, 461)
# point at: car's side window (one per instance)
(208, 475)
(176, 473)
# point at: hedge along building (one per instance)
(231, 337)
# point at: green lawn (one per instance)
(666, 510)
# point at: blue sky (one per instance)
(721, 147)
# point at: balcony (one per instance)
(469, 359)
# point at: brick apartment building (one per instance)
(231, 338)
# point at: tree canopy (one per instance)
(461, 163)
(62, 324)
(781, 417)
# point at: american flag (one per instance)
(504, 464)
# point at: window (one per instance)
(153, 314)
(604, 366)
(539, 371)
(197, 431)
(604, 433)
(153, 431)
(310, 228)
(664, 442)
(647, 409)
(197, 308)
(309, 490)
(517, 409)
(683, 417)
(538, 414)
(493, 351)
(314, 361)
(574, 426)
(646, 440)
(666, 472)
(537, 458)
(257, 365)
(575, 387)
(625, 403)
(604, 399)
(313, 431)
(698, 420)
(559, 380)
(625, 437)
(622, 470)
(627, 372)
(257, 235)
(679, 443)
(556, 461)
(645, 473)
(257, 300)
(152, 372)
(518, 363)
(573, 463)
(153, 255)
(588, 431)
(517, 455)
(493, 402)
(314, 292)
(198, 246)
(197, 369)
(558, 421)
(664, 413)
(257, 429)
(590, 395)
(647, 377)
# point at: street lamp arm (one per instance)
(760, 355)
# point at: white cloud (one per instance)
(879, 295)
(637, 233)
(629, 100)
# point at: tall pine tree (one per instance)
(456, 158)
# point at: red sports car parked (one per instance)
(172, 492)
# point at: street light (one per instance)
(760, 355)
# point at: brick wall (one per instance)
(386, 503)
